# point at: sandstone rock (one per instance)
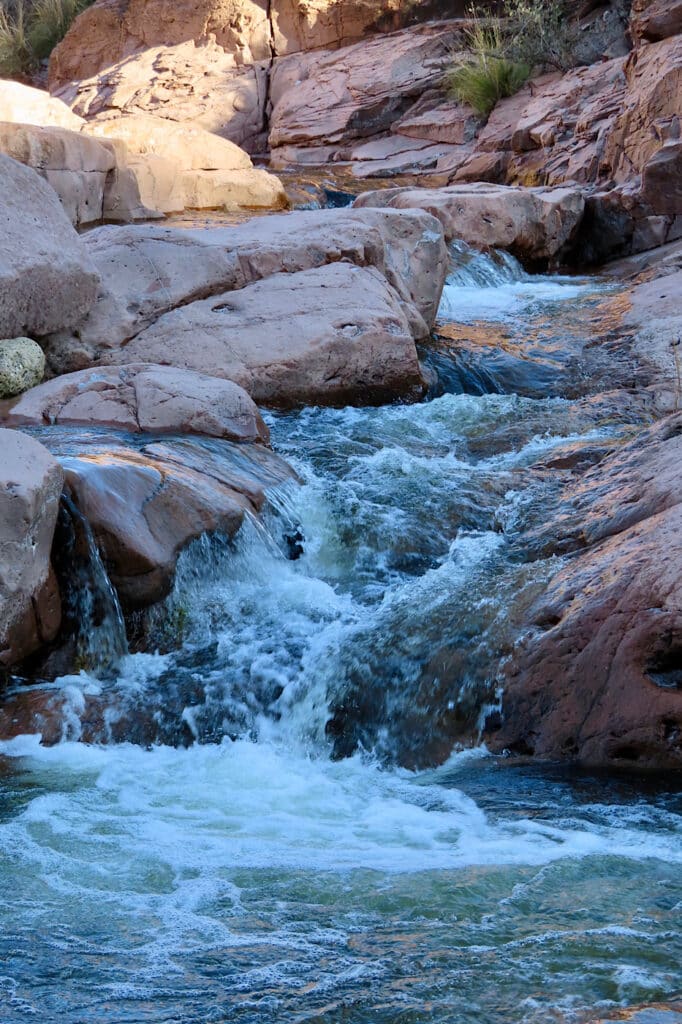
(251, 30)
(47, 280)
(330, 335)
(653, 20)
(655, 317)
(400, 154)
(149, 271)
(22, 365)
(145, 506)
(331, 98)
(662, 180)
(598, 679)
(75, 166)
(202, 170)
(650, 110)
(192, 83)
(30, 486)
(23, 105)
(436, 120)
(534, 224)
(141, 397)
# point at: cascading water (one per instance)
(93, 612)
(231, 866)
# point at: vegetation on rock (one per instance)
(501, 52)
(29, 31)
(487, 74)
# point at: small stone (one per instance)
(22, 365)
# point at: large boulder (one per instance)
(149, 271)
(652, 20)
(181, 166)
(534, 224)
(76, 166)
(23, 105)
(598, 679)
(30, 487)
(47, 279)
(335, 334)
(140, 397)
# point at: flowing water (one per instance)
(277, 844)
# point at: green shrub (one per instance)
(15, 51)
(30, 30)
(541, 33)
(487, 75)
(49, 22)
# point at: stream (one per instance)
(306, 827)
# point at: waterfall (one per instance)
(92, 610)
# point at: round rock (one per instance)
(22, 365)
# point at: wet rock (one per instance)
(22, 365)
(534, 224)
(47, 279)
(149, 271)
(598, 678)
(333, 334)
(140, 397)
(30, 486)
(145, 505)
(655, 321)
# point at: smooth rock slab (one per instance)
(22, 365)
(534, 224)
(47, 279)
(149, 271)
(332, 335)
(30, 487)
(140, 397)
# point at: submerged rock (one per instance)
(22, 365)
(30, 486)
(140, 397)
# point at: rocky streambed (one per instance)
(251, 654)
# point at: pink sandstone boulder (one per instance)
(597, 678)
(330, 335)
(534, 224)
(149, 271)
(141, 397)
